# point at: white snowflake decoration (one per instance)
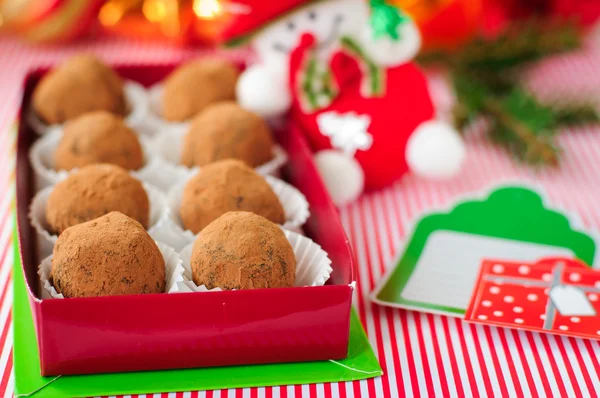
(347, 132)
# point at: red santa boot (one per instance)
(368, 125)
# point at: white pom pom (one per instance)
(263, 90)
(385, 51)
(435, 150)
(343, 176)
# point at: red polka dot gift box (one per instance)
(554, 295)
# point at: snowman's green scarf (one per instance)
(318, 89)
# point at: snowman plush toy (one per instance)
(343, 70)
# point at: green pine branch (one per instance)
(485, 77)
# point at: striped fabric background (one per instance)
(422, 355)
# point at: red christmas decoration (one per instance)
(400, 106)
(559, 296)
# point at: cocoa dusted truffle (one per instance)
(193, 86)
(82, 84)
(227, 185)
(94, 191)
(226, 130)
(242, 250)
(98, 137)
(108, 256)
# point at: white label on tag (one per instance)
(445, 273)
(571, 301)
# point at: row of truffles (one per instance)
(87, 96)
(223, 130)
(114, 255)
(220, 187)
(83, 84)
(202, 93)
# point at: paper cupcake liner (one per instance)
(37, 215)
(168, 147)
(294, 204)
(273, 166)
(313, 266)
(174, 272)
(137, 101)
(293, 201)
(155, 120)
(42, 152)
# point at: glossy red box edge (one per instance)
(168, 331)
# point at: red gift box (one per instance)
(168, 331)
(559, 296)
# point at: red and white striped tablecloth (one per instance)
(422, 355)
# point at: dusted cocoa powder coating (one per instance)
(193, 86)
(82, 84)
(98, 137)
(228, 185)
(227, 131)
(242, 250)
(95, 191)
(109, 256)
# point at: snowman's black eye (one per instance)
(291, 25)
(312, 15)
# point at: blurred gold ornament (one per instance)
(112, 11)
(154, 10)
(174, 21)
(161, 15)
(207, 9)
(48, 20)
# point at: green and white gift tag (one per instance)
(439, 265)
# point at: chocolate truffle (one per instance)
(94, 191)
(227, 185)
(108, 256)
(82, 84)
(193, 86)
(98, 137)
(242, 250)
(226, 130)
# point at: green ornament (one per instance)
(385, 19)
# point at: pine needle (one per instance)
(575, 114)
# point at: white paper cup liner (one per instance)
(155, 120)
(313, 266)
(37, 215)
(168, 148)
(273, 166)
(137, 102)
(173, 272)
(41, 156)
(294, 203)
